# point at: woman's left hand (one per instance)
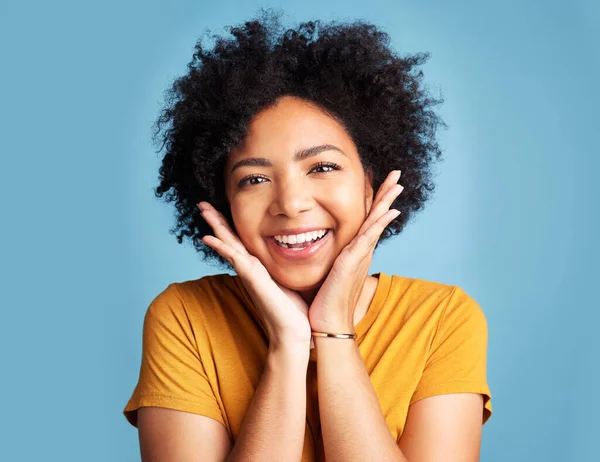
(332, 309)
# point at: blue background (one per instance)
(85, 245)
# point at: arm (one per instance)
(444, 427)
(273, 428)
(352, 424)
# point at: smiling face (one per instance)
(297, 174)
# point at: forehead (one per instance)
(288, 126)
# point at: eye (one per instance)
(251, 180)
(325, 167)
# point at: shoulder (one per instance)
(434, 298)
(419, 293)
(181, 297)
(210, 284)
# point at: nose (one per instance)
(291, 198)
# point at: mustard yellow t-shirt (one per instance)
(204, 349)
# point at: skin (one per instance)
(292, 193)
(329, 293)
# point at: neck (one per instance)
(365, 297)
(309, 295)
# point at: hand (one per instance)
(332, 309)
(283, 311)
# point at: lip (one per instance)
(290, 231)
(295, 255)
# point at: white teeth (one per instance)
(300, 238)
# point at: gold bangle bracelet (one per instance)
(327, 334)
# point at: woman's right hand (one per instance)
(283, 311)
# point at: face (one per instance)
(298, 192)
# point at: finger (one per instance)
(239, 260)
(369, 238)
(391, 180)
(382, 205)
(222, 230)
(363, 245)
(220, 226)
(386, 201)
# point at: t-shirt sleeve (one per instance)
(457, 359)
(172, 374)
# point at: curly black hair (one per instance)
(347, 70)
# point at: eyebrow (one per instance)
(298, 156)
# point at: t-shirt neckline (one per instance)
(381, 293)
(384, 282)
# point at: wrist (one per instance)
(292, 348)
(334, 335)
(333, 328)
(327, 345)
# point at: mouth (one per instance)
(312, 243)
(300, 242)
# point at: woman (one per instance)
(283, 157)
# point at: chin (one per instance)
(302, 280)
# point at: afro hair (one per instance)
(347, 70)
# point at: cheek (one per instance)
(347, 205)
(246, 220)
